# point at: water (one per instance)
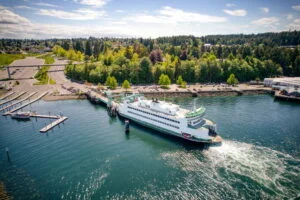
(90, 157)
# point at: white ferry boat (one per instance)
(169, 118)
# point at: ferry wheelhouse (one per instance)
(169, 118)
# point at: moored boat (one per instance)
(20, 115)
(169, 118)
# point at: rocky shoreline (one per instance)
(209, 93)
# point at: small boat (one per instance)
(20, 115)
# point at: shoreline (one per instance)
(203, 92)
(64, 97)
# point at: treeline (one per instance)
(143, 71)
(143, 61)
(196, 59)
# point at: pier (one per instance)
(7, 95)
(24, 105)
(9, 100)
(59, 118)
(20, 101)
(53, 124)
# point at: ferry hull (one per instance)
(217, 139)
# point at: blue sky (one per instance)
(144, 18)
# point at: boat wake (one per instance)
(215, 173)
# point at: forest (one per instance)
(208, 59)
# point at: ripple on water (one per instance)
(257, 172)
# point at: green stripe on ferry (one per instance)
(195, 113)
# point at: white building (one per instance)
(285, 81)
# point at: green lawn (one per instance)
(42, 77)
(48, 58)
(6, 59)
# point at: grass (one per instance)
(42, 77)
(48, 58)
(6, 59)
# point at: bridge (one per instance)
(37, 66)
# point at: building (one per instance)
(282, 82)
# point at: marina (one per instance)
(16, 97)
(26, 104)
(17, 102)
(87, 157)
(7, 95)
(26, 115)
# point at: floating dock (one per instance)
(7, 95)
(53, 124)
(20, 101)
(9, 100)
(58, 118)
(22, 106)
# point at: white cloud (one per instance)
(289, 16)
(45, 4)
(265, 10)
(295, 25)
(237, 13)
(81, 14)
(96, 3)
(25, 7)
(296, 7)
(229, 5)
(8, 17)
(120, 11)
(267, 21)
(168, 15)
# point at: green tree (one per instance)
(88, 48)
(129, 52)
(145, 73)
(232, 80)
(111, 82)
(164, 81)
(126, 85)
(180, 82)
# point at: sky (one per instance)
(42, 19)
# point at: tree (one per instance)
(180, 82)
(164, 81)
(126, 85)
(111, 82)
(129, 52)
(79, 46)
(88, 48)
(97, 50)
(145, 73)
(232, 80)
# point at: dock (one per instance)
(53, 124)
(9, 100)
(20, 101)
(286, 97)
(7, 95)
(58, 118)
(96, 97)
(24, 105)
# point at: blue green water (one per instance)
(90, 157)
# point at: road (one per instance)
(25, 76)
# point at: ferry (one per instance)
(20, 115)
(169, 118)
